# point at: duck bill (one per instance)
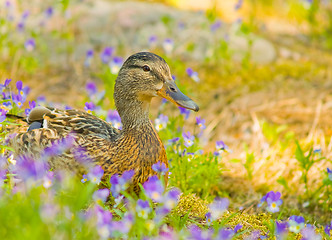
(172, 93)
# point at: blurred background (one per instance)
(259, 69)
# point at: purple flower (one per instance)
(143, 208)
(200, 123)
(115, 64)
(3, 115)
(32, 105)
(221, 147)
(225, 234)
(192, 74)
(25, 15)
(166, 233)
(89, 107)
(58, 147)
(84, 178)
(171, 198)
(218, 207)
(20, 26)
(49, 12)
(106, 54)
(160, 168)
(88, 58)
(5, 85)
(91, 88)
(7, 105)
(89, 53)
(8, 4)
(104, 219)
(122, 227)
(238, 5)
(208, 218)
(161, 122)
(48, 179)
(309, 233)
(174, 140)
(96, 174)
(3, 176)
(188, 139)
(153, 40)
(161, 212)
(101, 195)
(29, 169)
(30, 44)
(296, 223)
(154, 188)
(185, 112)
(121, 183)
(328, 229)
(41, 99)
(168, 45)
(114, 117)
(273, 201)
(23, 91)
(237, 228)
(198, 234)
(18, 100)
(281, 230)
(215, 26)
(329, 173)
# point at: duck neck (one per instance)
(134, 114)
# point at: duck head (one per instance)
(145, 75)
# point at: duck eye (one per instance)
(146, 68)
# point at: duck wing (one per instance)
(79, 122)
(48, 125)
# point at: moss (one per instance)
(191, 205)
(249, 222)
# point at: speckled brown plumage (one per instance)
(137, 146)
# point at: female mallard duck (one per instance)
(137, 146)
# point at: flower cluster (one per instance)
(29, 189)
(20, 98)
(121, 183)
